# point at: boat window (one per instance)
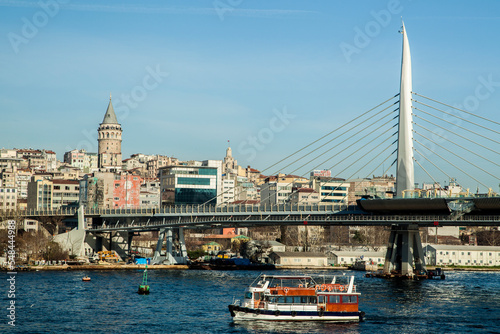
(312, 300)
(297, 300)
(248, 295)
(272, 299)
(289, 300)
(280, 300)
(321, 299)
(349, 299)
(334, 299)
(256, 295)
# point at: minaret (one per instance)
(404, 172)
(109, 138)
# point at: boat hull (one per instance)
(244, 313)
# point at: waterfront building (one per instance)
(348, 258)
(304, 196)
(45, 193)
(68, 172)
(211, 247)
(228, 191)
(150, 194)
(109, 138)
(197, 183)
(37, 159)
(378, 186)
(246, 191)
(442, 255)
(158, 161)
(126, 191)
(299, 259)
(23, 177)
(273, 192)
(85, 161)
(252, 174)
(40, 193)
(65, 193)
(331, 190)
(8, 198)
(8, 153)
(109, 190)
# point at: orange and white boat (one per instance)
(299, 298)
(86, 279)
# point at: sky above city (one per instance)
(186, 77)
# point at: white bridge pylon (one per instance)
(404, 251)
(405, 171)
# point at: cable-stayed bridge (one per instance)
(405, 130)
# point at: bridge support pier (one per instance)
(175, 250)
(404, 257)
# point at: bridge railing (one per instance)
(191, 209)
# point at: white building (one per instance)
(85, 161)
(274, 192)
(228, 191)
(150, 194)
(331, 190)
(304, 196)
(441, 255)
(349, 258)
(299, 259)
(8, 198)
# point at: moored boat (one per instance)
(299, 298)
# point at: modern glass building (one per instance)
(188, 185)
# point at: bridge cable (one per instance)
(331, 178)
(486, 119)
(340, 135)
(352, 175)
(462, 147)
(458, 135)
(471, 163)
(375, 156)
(430, 161)
(454, 165)
(312, 143)
(418, 163)
(458, 126)
(354, 135)
(357, 134)
(460, 118)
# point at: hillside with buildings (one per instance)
(34, 179)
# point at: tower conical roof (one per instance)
(110, 116)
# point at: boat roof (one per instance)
(286, 277)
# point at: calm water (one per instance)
(196, 302)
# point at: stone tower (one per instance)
(109, 138)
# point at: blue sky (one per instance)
(224, 69)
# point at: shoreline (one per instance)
(186, 267)
(66, 267)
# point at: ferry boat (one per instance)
(299, 298)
